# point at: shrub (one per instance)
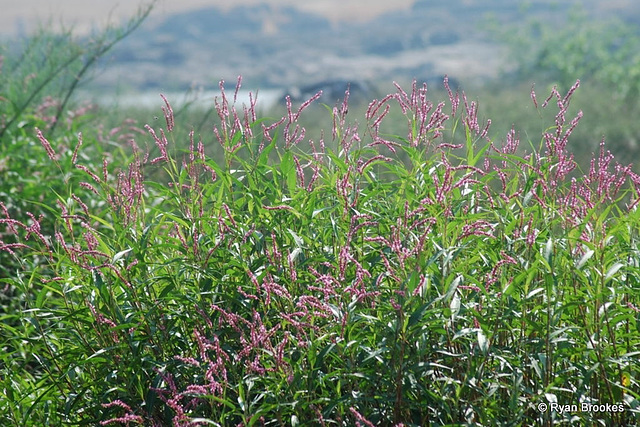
(375, 280)
(39, 76)
(592, 48)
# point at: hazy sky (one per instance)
(83, 14)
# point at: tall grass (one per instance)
(439, 277)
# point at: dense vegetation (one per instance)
(408, 266)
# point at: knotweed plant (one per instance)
(360, 278)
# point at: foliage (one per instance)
(572, 44)
(39, 74)
(604, 52)
(433, 278)
(38, 78)
(604, 115)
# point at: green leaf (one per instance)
(288, 169)
(455, 306)
(317, 211)
(473, 160)
(102, 221)
(452, 288)
(584, 259)
(298, 241)
(98, 353)
(483, 343)
(41, 297)
(418, 314)
(613, 270)
(548, 251)
(533, 293)
(264, 155)
(326, 350)
(119, 255)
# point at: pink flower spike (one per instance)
(75, 152)
(168, 113)
(238, 86)
(46, 144)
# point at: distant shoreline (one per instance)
(266, 98)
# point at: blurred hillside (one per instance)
(283, 47)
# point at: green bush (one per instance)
(576, 46)
(602, 52)
(39, 76)
(434, 278)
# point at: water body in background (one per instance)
(266, 98)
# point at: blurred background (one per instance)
(495, 50)
(276, 44)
